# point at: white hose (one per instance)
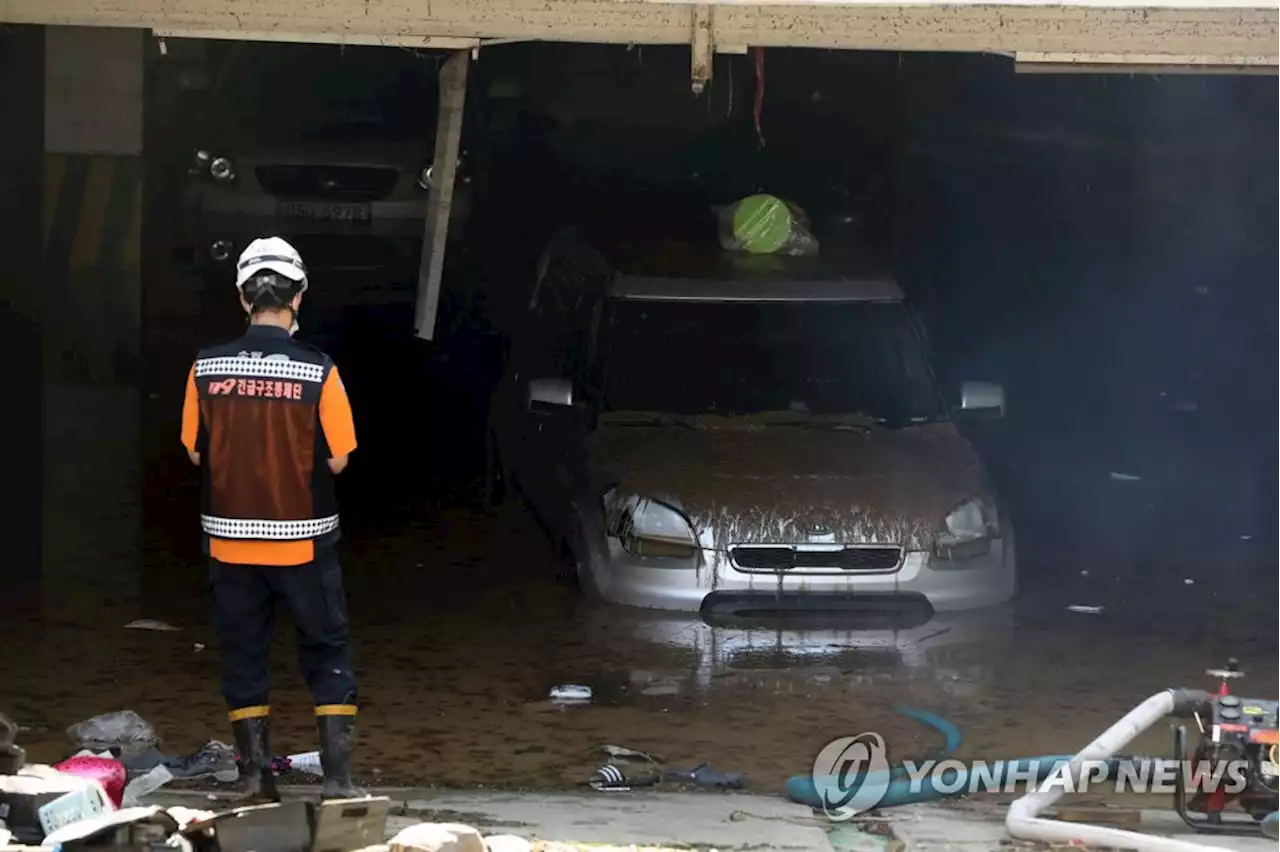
(1023, 821)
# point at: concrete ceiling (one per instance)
(1205, 33)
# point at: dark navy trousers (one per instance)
(245, 598)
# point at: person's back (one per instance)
(267, 419)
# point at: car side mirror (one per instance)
(550, 392)
(982, 400)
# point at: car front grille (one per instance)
(335, 183)
(766, 559)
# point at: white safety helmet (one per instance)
(273, 254)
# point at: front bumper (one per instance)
(712, 584)
(235, 215)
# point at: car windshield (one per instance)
(330, 93)
(801, 360)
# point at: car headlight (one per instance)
(222, 170)
(424, 177)
(200, 163)
(969, 529)
(653, 529)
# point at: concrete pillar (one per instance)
(93, 132)
(21, 150)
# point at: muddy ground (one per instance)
(461, 632)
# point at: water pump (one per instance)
(1237, 750)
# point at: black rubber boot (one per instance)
(337, 740)
(253, 745)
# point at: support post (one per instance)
(23, 288)
(703, 45)
(91, 360)
(453, 99)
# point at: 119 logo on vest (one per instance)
(264, 388)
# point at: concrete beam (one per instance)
(1240, 31)
(453, 100)
(703, 47)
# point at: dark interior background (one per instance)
(1102, 245)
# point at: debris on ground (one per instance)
(307, 762)
(617, 779)
(1087, 610)
(145, 784)
(214, 759)
(570, 693)
(83, 803)
(705, 777)
(12, 756)
(106, 771)
(438, 837)
(151, 624)
(622, 753)
(123, 729)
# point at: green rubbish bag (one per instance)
(766, 224)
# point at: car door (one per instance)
(568, 304)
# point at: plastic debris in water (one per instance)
(1124, 477)
(571, 693)
(1087, 610)
(623, 753)
(151, 624)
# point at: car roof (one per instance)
(680, 273)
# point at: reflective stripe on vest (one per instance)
(239, 528)
(260, 368)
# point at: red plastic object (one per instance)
(108, 772)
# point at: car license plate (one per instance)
(88, 801)
(324, 211)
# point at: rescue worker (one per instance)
(267, 420)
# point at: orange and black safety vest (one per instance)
(262, 448)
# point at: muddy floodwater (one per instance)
(460, 636)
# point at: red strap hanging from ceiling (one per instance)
(759, 105)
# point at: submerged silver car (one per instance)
(751, 441)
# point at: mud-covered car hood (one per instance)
(778, 484)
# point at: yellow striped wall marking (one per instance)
(82, 231)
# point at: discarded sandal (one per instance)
(618, 779)
(705, 777)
